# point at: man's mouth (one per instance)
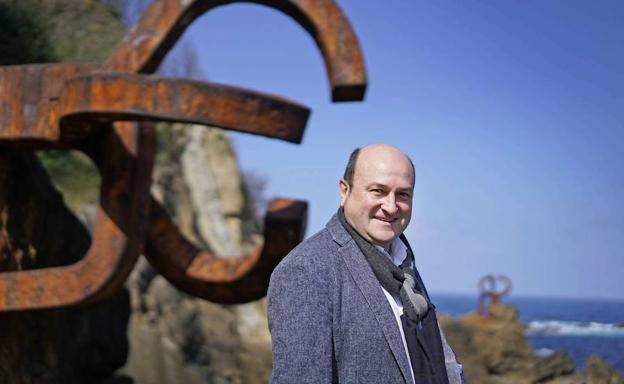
(387, 220)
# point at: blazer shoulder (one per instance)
(317, 253)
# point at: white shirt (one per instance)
(398, 253)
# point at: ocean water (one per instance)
(579, 327)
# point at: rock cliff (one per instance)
(495, 351)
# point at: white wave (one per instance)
(574, 328)
(544, 352)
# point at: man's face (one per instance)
(379, 203)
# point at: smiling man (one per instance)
(348, 305)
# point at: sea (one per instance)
(579, 327)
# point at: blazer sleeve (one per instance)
(300, 322)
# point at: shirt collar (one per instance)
(398, 251)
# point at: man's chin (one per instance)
(384, 239)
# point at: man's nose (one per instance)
(389, 204)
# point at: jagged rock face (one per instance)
(556, 365)
(507, 349)
(177, 337)
(74, 345)
(495, 351)
(597, 372)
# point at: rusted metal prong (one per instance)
(483, 304)
(488, 292)
(106, 97)
(164, 21)
(224, 280)
(59, 109)
(116, 239)
(506, 283)
(488, 284)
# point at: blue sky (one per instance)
(511, 111)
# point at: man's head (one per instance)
(376, 193)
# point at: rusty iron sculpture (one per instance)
(489, 294)
(108, 112)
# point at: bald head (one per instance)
(373, 151)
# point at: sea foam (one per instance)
(574, 328)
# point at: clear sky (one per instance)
(512, 112)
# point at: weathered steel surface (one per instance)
(112, 254)
(108, 111)
(224, 280)
(106, 97)
(490, 294)
(29, 99)
(164, 21)
(55, 105)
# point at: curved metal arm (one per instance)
(488, 291)
(488, 284)
(221, 280)
(107, 97)
(116, 240)
(164, 21)
(74, 99)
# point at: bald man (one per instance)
(348, 305)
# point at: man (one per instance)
(347, 305)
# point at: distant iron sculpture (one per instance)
(108, 112)
(489, 294)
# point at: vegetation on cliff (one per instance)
(44, 31)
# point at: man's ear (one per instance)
(344, 189)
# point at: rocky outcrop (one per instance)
(597, 372)
(495, 351)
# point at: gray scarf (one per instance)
(400, 280)
(419, 321)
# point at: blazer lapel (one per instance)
(371, 290)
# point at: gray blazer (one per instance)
(329, 319)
